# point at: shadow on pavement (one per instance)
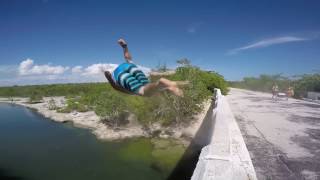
(305, 119)
(306, 167)
(310, 105)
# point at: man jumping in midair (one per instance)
(129, 79)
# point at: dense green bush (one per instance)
(263, 83)
(199, 78)
(168, 108)
(301, 84)
(308, 82)
(52, 90)
(35, 96)
(112, 106)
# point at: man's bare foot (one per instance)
(122, 43)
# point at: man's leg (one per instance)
(162, 84)
(154, 88)
(167, 82)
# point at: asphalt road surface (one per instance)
(283, 137)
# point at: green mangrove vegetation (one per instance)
(113, 107)
(301, 84)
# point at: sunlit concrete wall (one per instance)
(226, 157)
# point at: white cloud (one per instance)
(145, 70)
(28, 73)
(268, 42)
(95, 69)
(27, 67)
(76, 69)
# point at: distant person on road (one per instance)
(128, 78)
(290, 92)
(275, 91)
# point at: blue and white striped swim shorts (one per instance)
(128, 76)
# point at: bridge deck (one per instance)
(283, 137)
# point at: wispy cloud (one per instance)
(8, 68)
(7, 71)
(268, 42)
(193, 28)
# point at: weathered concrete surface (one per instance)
(226, 156)
(283, 137)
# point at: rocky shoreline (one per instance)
(91, 121)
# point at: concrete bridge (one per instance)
(247, 136)
(226, 155)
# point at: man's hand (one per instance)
(122, 43)
(126, 53)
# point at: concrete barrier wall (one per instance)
(226, 157)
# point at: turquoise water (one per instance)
(35, 148)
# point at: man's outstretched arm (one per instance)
(126, 52)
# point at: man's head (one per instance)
(108, 75)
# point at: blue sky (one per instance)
(49, 41)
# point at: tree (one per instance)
(52, 104)
(111, 108)
(308, 82)
(184, 62)
(162, 67)
(35, 97)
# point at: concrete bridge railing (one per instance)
(226, 157)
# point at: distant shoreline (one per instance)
(90, 120)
